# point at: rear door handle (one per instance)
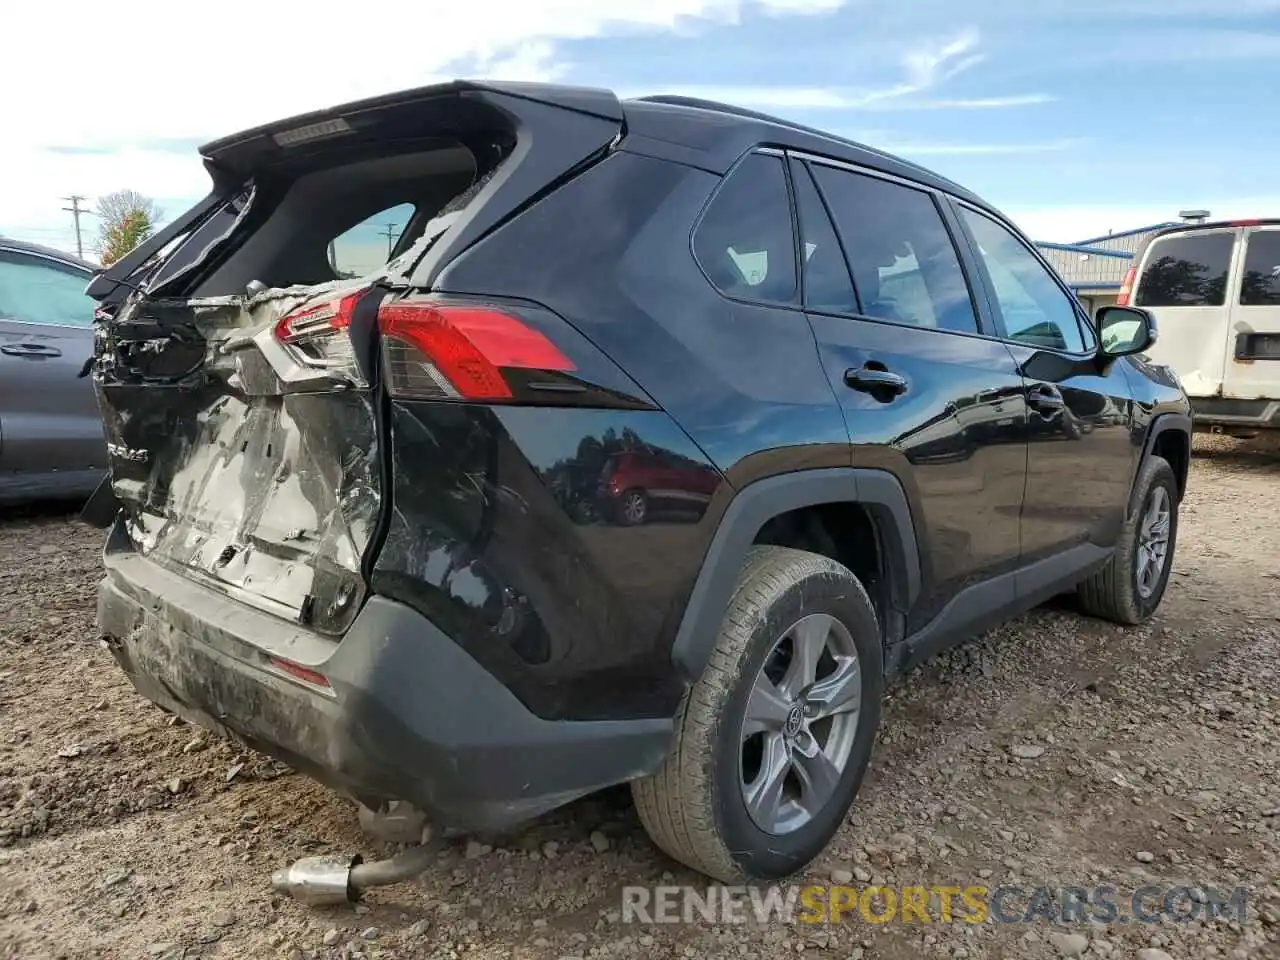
(1045, 398)
(31, 351)
(871, 380)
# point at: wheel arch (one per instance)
(1168, 436)
(754, 506)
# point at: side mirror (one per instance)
(1125, 330)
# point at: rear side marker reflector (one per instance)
(299, 672)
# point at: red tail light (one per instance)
(1126, 287)
(316, 334)
(430, 350)
(433, 350)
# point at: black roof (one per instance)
(21, 246)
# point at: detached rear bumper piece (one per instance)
(1227, 412)
(407, 715)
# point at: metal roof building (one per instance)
(1095, 268)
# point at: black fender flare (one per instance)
(1159, 424)
(753, 506)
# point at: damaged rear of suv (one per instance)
(283, 438)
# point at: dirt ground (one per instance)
(1056, 751)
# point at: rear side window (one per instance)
(36, 290)
(905, 268)
(1186, 271)
(745, 241)
(1261, 284)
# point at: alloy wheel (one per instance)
(1153, 542)
(800, 725)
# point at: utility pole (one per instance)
(390, 234)
(75, 212)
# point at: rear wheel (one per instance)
(633, 508)
(1130, 587)
(773, 740)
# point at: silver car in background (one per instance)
(51, 441)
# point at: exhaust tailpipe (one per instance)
(324, 881)
(318, 881)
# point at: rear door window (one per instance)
(1260, 286)
(1189, 270)
(905, 268)
(37, 290)
(826, 275)
(745, 242)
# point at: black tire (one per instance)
(693, 807)
(1113, 593)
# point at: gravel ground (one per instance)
(1055, 751)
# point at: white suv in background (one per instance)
(1214, 289)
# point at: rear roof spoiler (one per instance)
(263, 144)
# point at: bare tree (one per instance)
(126, 218)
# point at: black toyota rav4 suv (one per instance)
(368, 479)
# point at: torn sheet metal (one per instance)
(232, 462)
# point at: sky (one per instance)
(1074, 118)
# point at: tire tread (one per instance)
(675, 804)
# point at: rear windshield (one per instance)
(1188, 270)
(339, 222)
(1261, 284)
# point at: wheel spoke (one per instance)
(817, 774)
(766, 709)
(764, 794)
(838, 692)
(808, 641)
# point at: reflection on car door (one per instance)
(924, 396)
(1081, 457)
(49, 424)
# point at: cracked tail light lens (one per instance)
(317, 334)
(459, 352)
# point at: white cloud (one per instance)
(979, 149)
(838, 98)
(972, 103)
(153, 71)
(924, 67)
(1075, 223)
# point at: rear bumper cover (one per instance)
(1227, 412)
(409, 716)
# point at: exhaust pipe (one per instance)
(318, 881)
(325, 881)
